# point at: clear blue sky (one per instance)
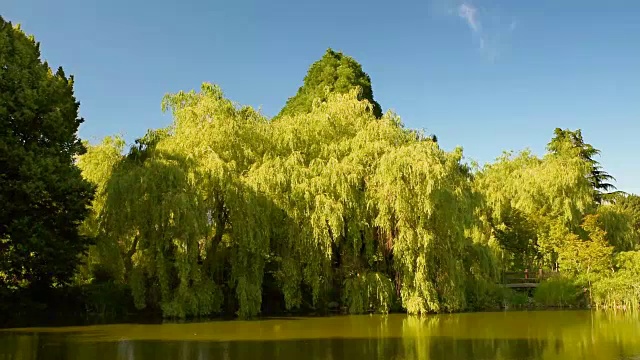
(489, 75)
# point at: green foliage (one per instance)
(618, 224)
(629, 204)
(43, 195)
(369, 291)
(621, 290)
(482, 288)
(336, 203)
(483, 295)
(517, 236)
(107, 299)
(558, 291)
(571, 142)
(589, 258)
(166, 207)
(202, 298)
(515, 299)
(333, 73)
(194, 213)
(424, 198)
(534, 203)
(333, 201)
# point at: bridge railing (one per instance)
(526, 276)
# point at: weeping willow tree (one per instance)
(425, 203)
(167, 210)
(224, 210)
(150, 221)
(535, 203)
(318, 176)
(98, 165)
(542, 213)
(224, 141)
(352, 186)
(340, 205)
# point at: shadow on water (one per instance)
(50, 348)
(490, 336)
(67, 321)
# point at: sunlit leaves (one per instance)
(620, 290)
(327, 195)
(549, 195)
(588, 257)
(334, 73)
(425, 201)
(337, 204)
(570, 143)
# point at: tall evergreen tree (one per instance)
(334, 72)
(567, 140)
(43, 196)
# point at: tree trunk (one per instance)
(221, 222)
(127, 258)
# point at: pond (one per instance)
(492, 335)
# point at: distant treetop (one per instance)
(334, 72)
(567, 141)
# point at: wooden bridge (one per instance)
(524, 279)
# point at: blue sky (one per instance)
(489, 75)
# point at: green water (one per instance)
(499, 335)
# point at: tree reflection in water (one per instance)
(498, 336)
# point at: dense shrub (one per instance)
(622, 289)
(368, 292)
(558, 291)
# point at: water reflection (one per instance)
(513, 335)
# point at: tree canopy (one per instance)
(571, 141)
(225, 209)
(324, 199)
(333, 73)
(43, 194)
(331, 203)
(631, 204)
(336, 203)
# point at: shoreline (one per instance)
(82, 320)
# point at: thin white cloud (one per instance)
(487, 26)
(469, 13)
